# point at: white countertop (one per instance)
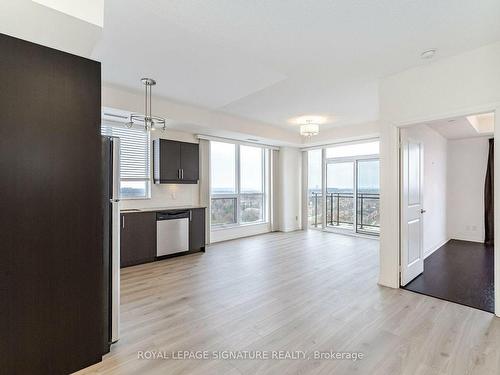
(155, 209)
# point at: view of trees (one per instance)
(224, 209)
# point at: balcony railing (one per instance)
(340, 211)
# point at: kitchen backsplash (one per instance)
(166, 195)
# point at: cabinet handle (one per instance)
(123, 222)
(190, 215)
(182, 174)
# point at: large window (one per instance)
(238, 184)
(135, 172)
(314, 183)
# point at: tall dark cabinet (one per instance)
(51, 260)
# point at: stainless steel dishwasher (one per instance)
(172, 232)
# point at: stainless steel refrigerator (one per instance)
(111, 204)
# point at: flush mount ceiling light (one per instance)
(147, 119)
(309, 118)
(309, 129)
(429, 54)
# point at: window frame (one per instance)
(238, 195)
(148, 180)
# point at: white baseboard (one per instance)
(467, 238)
(434, 248)
(457, 237)
(226, 234)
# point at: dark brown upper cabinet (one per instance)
(175, 162)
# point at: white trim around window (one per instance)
(236, 197)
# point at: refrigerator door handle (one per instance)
(115, 272)
(115, 144)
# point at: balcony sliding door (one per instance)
(343, 188)
(368, 197)
(340, 195)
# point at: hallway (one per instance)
(460, 272)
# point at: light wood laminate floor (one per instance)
(296, 291)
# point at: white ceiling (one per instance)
(37, 23)
(274, 60)
(457, 128)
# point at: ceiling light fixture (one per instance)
(309, 129)
(429, 54)
(147, 119)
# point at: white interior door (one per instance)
(412, 252)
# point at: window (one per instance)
(223, 161)
(238, 179)
(135, 172)
(314, 183)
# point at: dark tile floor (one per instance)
(461, 272)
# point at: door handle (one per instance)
(422, 211)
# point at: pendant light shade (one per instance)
(310, 129)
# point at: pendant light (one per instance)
(309, 129)
(147, 119)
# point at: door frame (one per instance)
(495, 108)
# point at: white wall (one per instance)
(344, 134)
(435, 186)
(467, 162)
(184, 117)
(219, 235)
(459, 85)
(290, 189)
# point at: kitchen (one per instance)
(84, 223)
(147, 173)
(178, 177)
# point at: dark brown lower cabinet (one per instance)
(137, 238)
(197, 229)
